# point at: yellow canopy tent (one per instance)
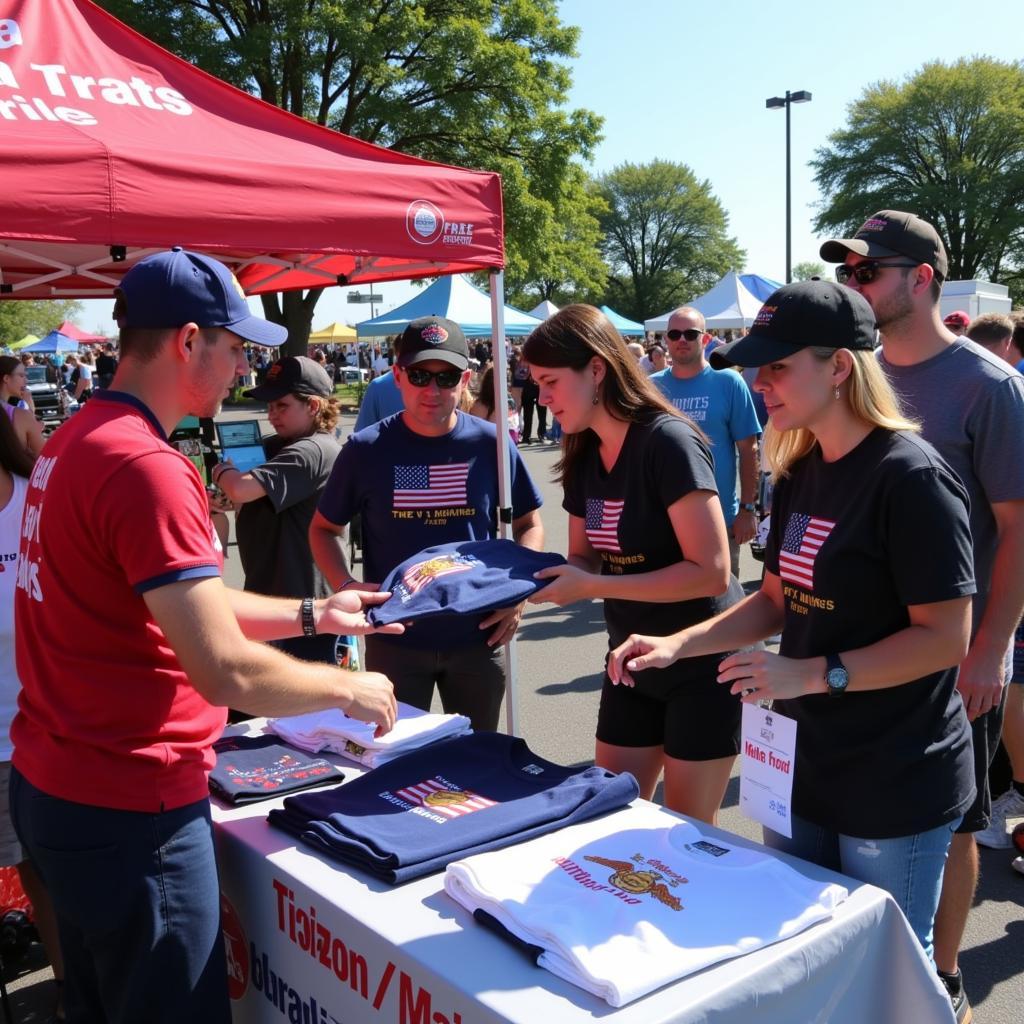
(333, 334)
(29, 339)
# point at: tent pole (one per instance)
(500, 356)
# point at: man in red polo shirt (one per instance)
(129, 648)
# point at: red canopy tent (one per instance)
(113, 148)
(69, 330)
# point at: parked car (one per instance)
(45, 394)
(354, 375)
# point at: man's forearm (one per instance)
(748, 471)
(1005, 602)
(328, 550)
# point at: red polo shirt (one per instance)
(106, 714)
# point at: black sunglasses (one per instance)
(420, 378)
(867, 271)
(691, 334)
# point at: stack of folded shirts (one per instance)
(454, 798)
(334, 730)
(251, 768)
(625, 904)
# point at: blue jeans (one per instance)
(138, 907)
(908, 867)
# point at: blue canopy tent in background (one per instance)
(758, 286)
(621, 324)
(54, 342)
(457, 299)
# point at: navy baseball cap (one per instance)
(809, 314)
(169, 289)
(892, 233)
(470, 577)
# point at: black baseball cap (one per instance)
(293, 375)
(433, 337)
(892, 233)
(809, 314)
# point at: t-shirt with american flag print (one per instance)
(625, 515)
(855, 542)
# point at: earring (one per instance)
(596, 400)
(835, 391)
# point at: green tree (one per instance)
(34, 317)
(808, 269)
(946, 144)
(566, 264)
(665, 237)
(481, 83)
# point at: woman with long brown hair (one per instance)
(646, 534)
(17, 405)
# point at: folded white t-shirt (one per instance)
(635, 900)
(334, 730)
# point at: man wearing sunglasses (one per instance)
(427, 476)
(720, 403)
(968, 403)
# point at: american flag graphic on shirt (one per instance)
(430, 486)
(602, 524)
(452, 803)
(417, 576)
(800, 546)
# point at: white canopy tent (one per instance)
(727, 304)
(544, 309)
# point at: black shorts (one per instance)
(985, 732)
(681, 708)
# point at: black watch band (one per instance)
(836, 677)
(748, 506)
(308, 619)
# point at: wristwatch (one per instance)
(308, 619)
(836, 676)
(748, 506)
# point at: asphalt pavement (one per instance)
(560, 655)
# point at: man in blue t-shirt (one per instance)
(428, 476)
(720, 403)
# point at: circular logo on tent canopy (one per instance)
(424, 222)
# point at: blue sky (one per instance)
(686, 80)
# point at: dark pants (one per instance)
(470, 680)
(530, 395)
(138, 908)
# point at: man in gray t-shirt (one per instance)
(971, 408)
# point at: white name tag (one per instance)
(766, 770)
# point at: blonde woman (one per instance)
(869, 577)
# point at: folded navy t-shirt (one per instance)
(463, 582)
(251, 768)
(452, 799)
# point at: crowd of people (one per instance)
(893, 581)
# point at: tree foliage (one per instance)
(946, 144)
(480, 83)
(34, 317)
(808, 269)
(567, 238)
(666, 237)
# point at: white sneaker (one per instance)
(1009, 805)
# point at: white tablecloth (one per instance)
(308, 941)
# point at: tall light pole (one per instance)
(775, 103)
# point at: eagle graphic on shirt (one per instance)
(630, 880)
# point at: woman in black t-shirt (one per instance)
(646, 533)
(869, 577)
